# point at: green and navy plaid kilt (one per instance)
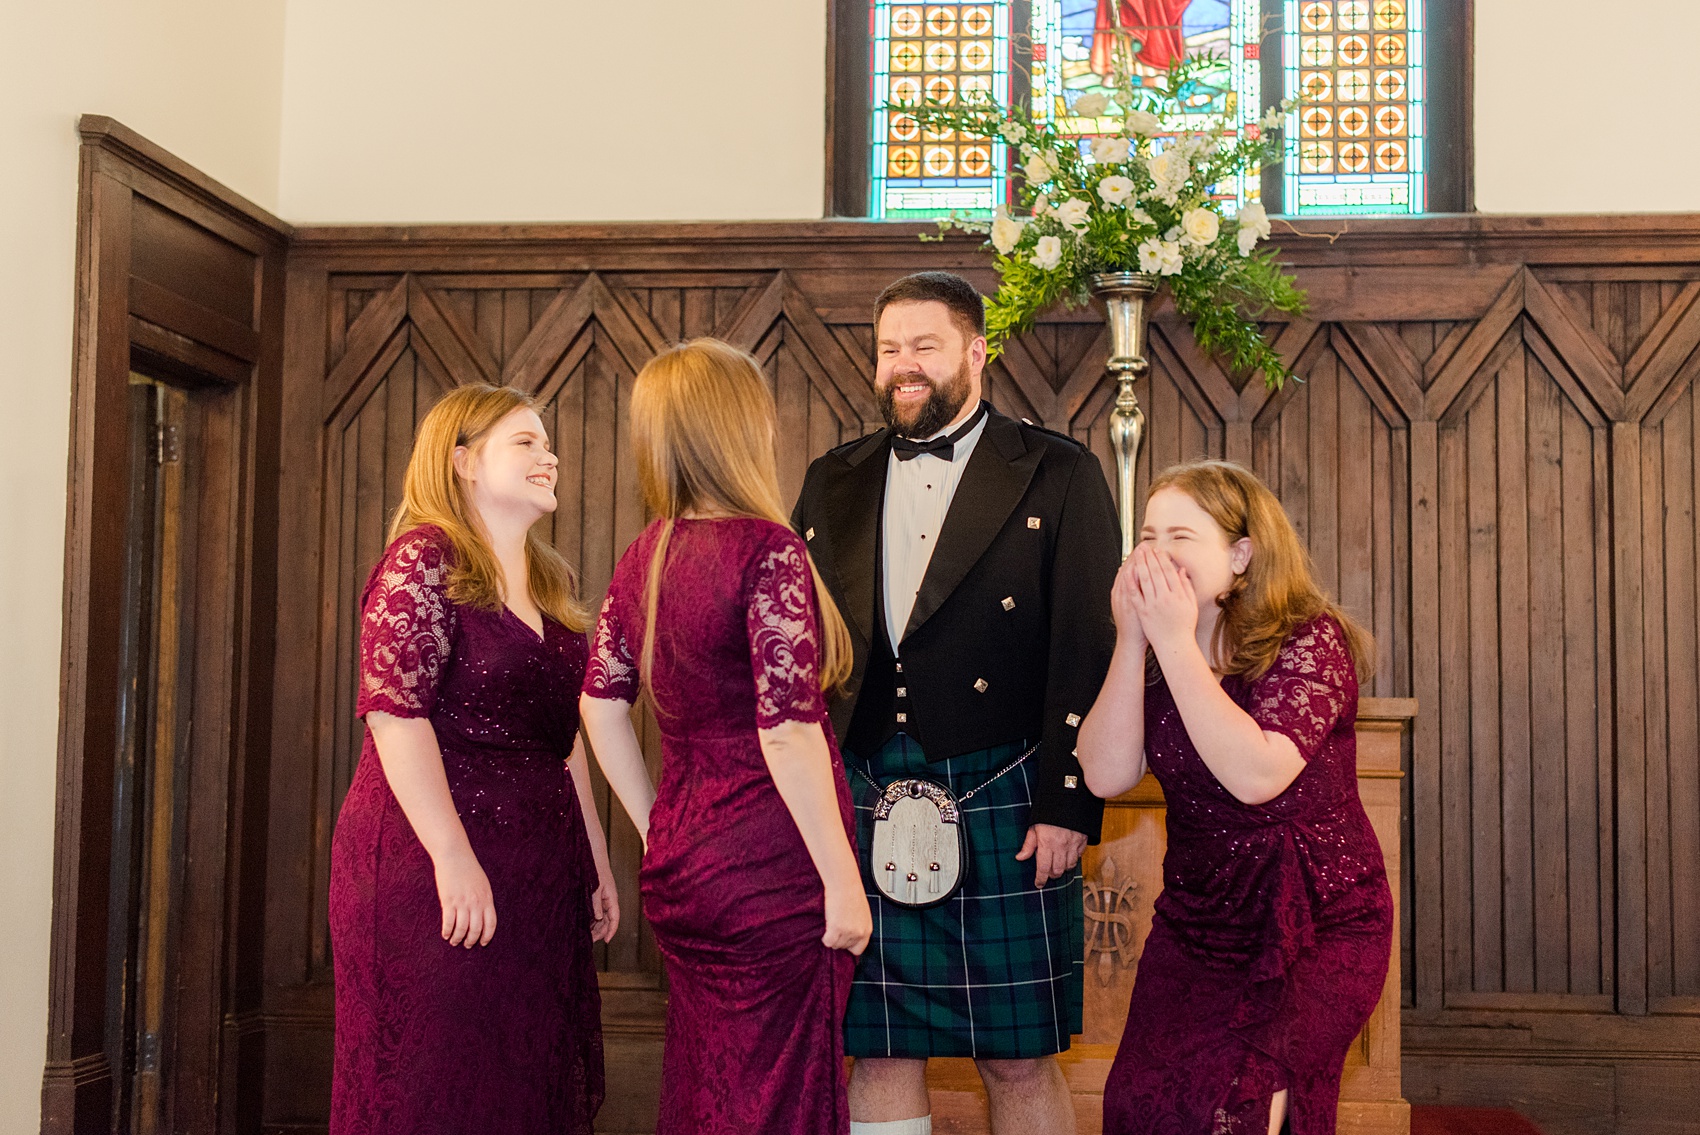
(997, 970)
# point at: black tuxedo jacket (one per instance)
(1011, 634)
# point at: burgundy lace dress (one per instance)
(756, 1007)
(1274, 930)
(433, 1038)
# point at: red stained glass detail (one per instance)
(1252, 51)
(1039, 50)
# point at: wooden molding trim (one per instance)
(115, 138)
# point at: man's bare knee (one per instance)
(884, 1070)
(1018, 1075)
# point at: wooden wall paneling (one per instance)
(1453, 456)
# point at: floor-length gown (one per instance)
(1273, 934)
(502, 1039)
(754, 1040)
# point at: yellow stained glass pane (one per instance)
(941, 21)
(976, 161)
(939, 161)
(905, 161)
(931, 135)
(906, 21)
(1390, 15)
(1317, 122)
(1390, 85)
(977, 21)
(906, 57)
(1390, 120)
(977, 55)
(1354, 157)
(976, 88)
(905, 91)
(1389, 50)
(1316, 17)
(1390, 157)
(1354, 121)
(1316, 51)
(1316, 157)
(942, 89)
(1317, 86)
(941, 56)
(1352, 15)
(1354, 86)
(1354, 50)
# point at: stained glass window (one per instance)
(1358, 66)
(1356, 141)
(1073, 41)
(943, 52)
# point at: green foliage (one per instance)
(1135, 206)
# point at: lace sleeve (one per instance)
(1309, 688)
(406, 627)
(612, 673)
(784, 635)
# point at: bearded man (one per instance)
(972, 556)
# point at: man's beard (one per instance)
(938, 411)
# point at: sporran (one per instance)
(920, 848)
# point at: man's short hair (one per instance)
(966, 306)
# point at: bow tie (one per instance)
(907, 449)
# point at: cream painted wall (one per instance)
(544, 110)
(1553, 136)
(204, 79)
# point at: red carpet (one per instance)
(1469, 1121)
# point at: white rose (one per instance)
(1254, 226)
(1039, 168)
(1047, 254)
(1140, 217)
(1169, 258)
(1092, 105)
(1107, 151)
(1041, 205)
(1115, 189)
(1006, 232)
(1143, 122)
(1200, 226)
(1073, 213)
(1013, 133)
(1150, 256)
(1169, 171)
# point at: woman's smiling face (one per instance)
(513, 471)
(1175, 524)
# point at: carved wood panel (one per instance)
(1490, 458)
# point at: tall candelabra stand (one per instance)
(1124, 295)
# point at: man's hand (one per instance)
(1053, 850)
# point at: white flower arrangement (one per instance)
(1143, 202)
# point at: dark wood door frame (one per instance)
(181, 278)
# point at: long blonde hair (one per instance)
(1278, 591)
(433, 493)
(703, 425)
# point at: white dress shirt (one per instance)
(917, 499)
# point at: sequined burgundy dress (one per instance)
(1273, 934)
(433, 1038)
(755, 1012)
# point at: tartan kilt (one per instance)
(995, 972)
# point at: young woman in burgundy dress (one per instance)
(1273, 933)
(749, 874)
(470, 805)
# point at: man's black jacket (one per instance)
(1011, 634)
